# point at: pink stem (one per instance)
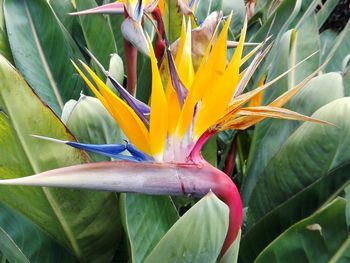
(228, 193)
(230, 159)
(160, 46)
(195, 154)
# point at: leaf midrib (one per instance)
(43, 58)
(14, 245)
(46, 192)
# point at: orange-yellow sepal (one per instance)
(159, 110)
(124, 115)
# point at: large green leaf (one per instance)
(340, 50)
(237, 7)
(197, 236)
(146, 220)
(310, 167)
(80, 220)
(4, 43)
(231, 255)
(172, 20)
(281, 18)
(62, 9)
(42, 50)
(98, 33)
(325, 11)
(18, 244)
(322, 237)
(277, 24)
(346, 80)
(293, 47)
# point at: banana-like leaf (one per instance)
(61, 9)
(270, 134)
(309, 168)
(18, 245)
(197, 236)
(82, 221)
(325, 11)
(346, 81)
(340, 50)
(42, 49)
(231, 255)
(146, 219)
(4, 42)
(322, 237)
(279, 20)
(172, 20)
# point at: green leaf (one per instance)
(325, 11)
(146, 219)
(98, 34)
(322, 237)
(340, 50)
(172, 20)
(231, 255)
(42, 50)
(327, 37)
(116, 69)
(197, 236)
(62, 8)
(210, 151)
(310, 167)
(282, 16)
(18, 245)
(277, 24)
(82, 221)
(237, 7)
(270, 134)
(346, 81)
(4, 43)
(347, 197)
(90, 122)
(144, 81)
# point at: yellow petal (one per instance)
(183, 58)
(203, 79)
(171, 95)
(129, 122)
(159, 110)
(174, 109)
(216, 101)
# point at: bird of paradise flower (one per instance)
(167, 136)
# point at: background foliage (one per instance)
(293, 177)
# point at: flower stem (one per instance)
(160, 46)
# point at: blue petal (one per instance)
(109, 150)
(138, 155)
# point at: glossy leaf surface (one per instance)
(42, 50)
(82, 221)
(197, 236)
